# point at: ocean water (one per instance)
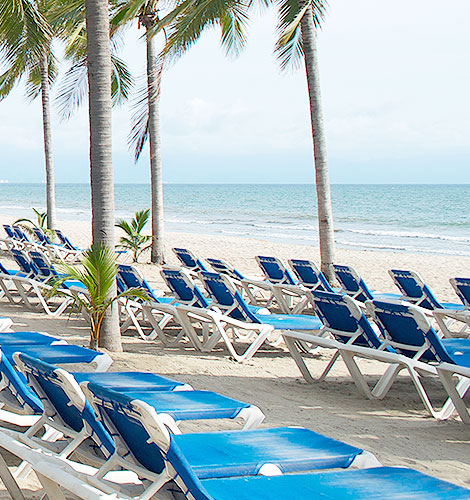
(412, 218)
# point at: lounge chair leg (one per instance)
(386, 381)
(9, 481)
(51, 488)
(356, 374)
(295, 353)
(456, 394)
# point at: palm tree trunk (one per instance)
(325, 212)
(46, 125)
(101, 165)
(156, 183)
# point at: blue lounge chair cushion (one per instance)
(450, 305)
(189, 405)
(219, 454)
(25, 338)
(381, 483)
(125, 381)
(54, 354)
(290, 321)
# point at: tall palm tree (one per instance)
(298, 28)
(28, 54)
(297, 41)
(101, 166)
(148, 119)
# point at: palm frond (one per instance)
(191, 18)
(121, 82)
(72, 90)
(139, 120)
(288, 49)
(234, 24)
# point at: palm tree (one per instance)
(297, 40)
(299, 36)
(27, 54)
(134, 240)
(101, 166)
(98, 274)
(148, 120)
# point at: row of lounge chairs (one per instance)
(219, 313)
(105, 435)
(64, 250)
(385, 327)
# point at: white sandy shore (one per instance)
(396, 429)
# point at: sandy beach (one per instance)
(397, 429)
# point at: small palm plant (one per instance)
(97, 274)
(41, 224)
(134, 240)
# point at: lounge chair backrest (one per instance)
(117, 412)
(352, 283)
(15, 393)
(131, 278)
(274, 270)
(42, 263)
(344, 319)
(226, 298)
(138, 430)
(309, 275)
(188, 259)
(64, 240)
(404, 326)
(184, 290)
(21, 235)
(462, 289)
(222, 267)
(414, 289)
(10, 232)
(63, 400)
(40, 236)
(24, 263)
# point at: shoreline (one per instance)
(372, 265)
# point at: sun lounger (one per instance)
(255, 291)
(61, 354)
(222, 267)
(347, 332)
(384, 483)
(353, 285)
(159, 311)
(65, 409)
(288, 293)
(352, 337)
(21, 406)
(153, 449)
(189, 260)
(409, 332)
(32, 291)
(238, 316)
(186, 293)
(415, 291)
(28, 338)
(47, 272)
(193, 461)
(310, 276)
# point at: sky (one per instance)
(394, 80)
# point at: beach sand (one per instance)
(397, 429)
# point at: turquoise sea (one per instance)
(413, 218)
